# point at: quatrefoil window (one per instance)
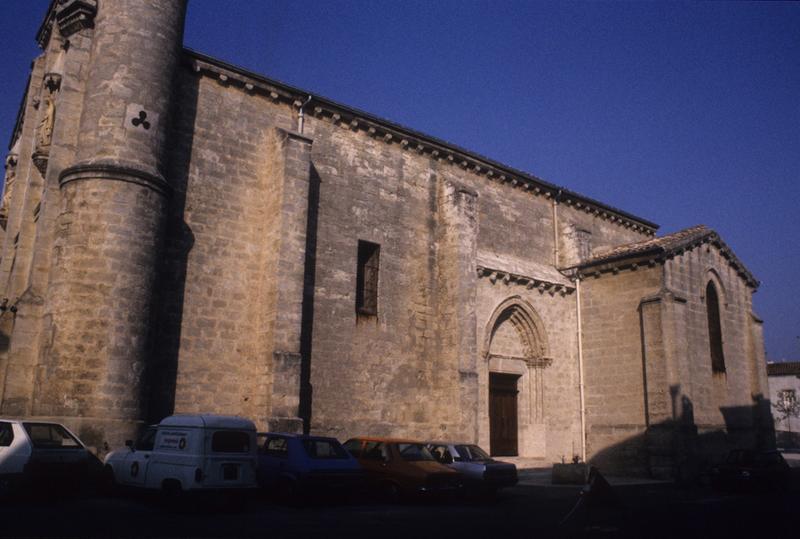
(141, 120)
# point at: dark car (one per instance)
(403, 467)
(294, 465)
(746, 469)
(480, 471)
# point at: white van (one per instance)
(188, 453)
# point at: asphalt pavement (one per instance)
(644, 509)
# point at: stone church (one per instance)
(183, 235)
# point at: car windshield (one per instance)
(51, 436)
(471, 453)
(414, 452)
(324, 449)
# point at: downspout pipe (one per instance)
(556, 200)
(301, 115)
(580, 368)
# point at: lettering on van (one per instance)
(173, 439)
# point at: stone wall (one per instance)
(206, 262)
(654, 404)
(27, 257)
(219, 275)
(728, 408)
(582, 233)
(613, 367)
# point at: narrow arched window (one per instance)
(714, 329)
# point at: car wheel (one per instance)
(108, 483)
(288, 492)
(6, 488)
(390, 492)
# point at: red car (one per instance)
(402, 467)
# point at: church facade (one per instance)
(182, 235)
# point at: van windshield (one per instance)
(230, 441)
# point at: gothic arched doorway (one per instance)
(516, 352)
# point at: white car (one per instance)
(41, 454)
(188, 453)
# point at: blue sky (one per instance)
(681, 113)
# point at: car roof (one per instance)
(449, 443)
(297, 436)
(387, 440)
(208, 421)
(36, 421)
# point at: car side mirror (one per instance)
(129, 443)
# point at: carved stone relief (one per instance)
(44, 135)
(11, 172)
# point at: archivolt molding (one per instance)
(536, 350)
(529, 327)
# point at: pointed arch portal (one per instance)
(516, 350)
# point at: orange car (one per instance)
(403, 467)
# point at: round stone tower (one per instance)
(113, 202)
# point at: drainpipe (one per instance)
(580, 368)
(556, 199)
(301, 115)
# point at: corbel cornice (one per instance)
(531, 283)
(71, 16)
(408, 139)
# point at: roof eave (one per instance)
(552, 189)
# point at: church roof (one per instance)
(658, 249)
(407, 138)
(784, 368)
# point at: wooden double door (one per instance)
(503, 414)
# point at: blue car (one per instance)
(293, 465)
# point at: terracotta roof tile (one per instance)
(664, 244)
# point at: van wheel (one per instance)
(171, 493)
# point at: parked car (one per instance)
(40, 454)
(480, 471)
(188, 453)
(402, 467)
(293, 465)
(746, 469)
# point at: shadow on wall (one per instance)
(307, 316)
(680, 448)
(167, 308)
